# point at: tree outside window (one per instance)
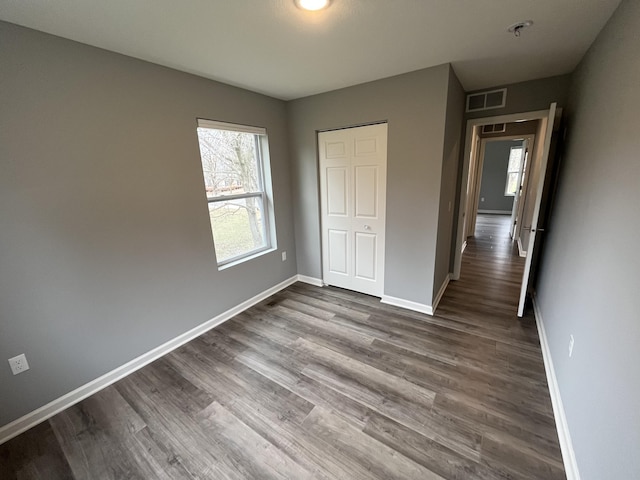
(232, 164)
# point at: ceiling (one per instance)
(272, 47)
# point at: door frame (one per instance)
(471, 132)
(320, 195)
(477, 177)
(552, 124)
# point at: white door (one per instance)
(353, 184)
(517, 200)
(536, 211)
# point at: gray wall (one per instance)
(414, 105)
(105, 243)
(494, 176)
(590, 275)
(448, 193)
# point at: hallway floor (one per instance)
(325, 383)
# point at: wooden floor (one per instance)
(327, 384)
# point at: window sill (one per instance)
(245, 259)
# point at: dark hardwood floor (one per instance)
(325, 383)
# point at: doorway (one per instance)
(499, 179)
(526, 207)
(353, 180)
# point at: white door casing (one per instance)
(470, 137)
(544, 158)
(353, 179)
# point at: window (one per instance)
(235, 167)
(513, 171)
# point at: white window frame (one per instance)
(506, 185)
(264, 185)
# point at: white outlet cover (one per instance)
(284, 256)
(19, 364)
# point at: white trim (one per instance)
(311, 280)
(408, 304)
(234, 127)
(521, 252)
(464, 246)
(245, 257)
(496, 212)
(443, 287)
(564, 436)
(7, 432)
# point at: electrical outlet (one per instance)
(571, 342)
(19, 364)
(482, 199)
(284, 256)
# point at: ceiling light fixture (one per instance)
(312, 5)
(517, 28)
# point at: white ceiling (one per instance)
(271, 47)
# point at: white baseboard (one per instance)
(496, 212)
(521, 252)
(564, 436)
(443, 287)
(408, 304)
(311, 280)
(32, 419)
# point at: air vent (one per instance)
(497, 128)
(487, 100)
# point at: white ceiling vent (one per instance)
(496, 128)
(487, 100)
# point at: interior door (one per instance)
(540, 182)
(518, 196)
(353, 181)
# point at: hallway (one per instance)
(484, 302)
(490, 276)
(324, 383)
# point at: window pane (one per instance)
(229, 161)
(515, 160)
(512, 184)
(238, 227)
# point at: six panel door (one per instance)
(353, 172)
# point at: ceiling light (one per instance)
(312, 5)
(516, 28)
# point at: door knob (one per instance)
(367, 227)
